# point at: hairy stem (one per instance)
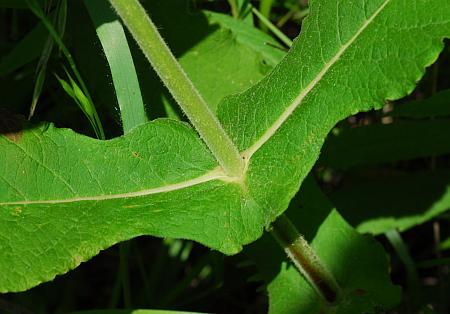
(305, 259)
(179, 85)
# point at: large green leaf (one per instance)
(64, 197)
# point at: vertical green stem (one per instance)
(265, 6)
(234, 8)
(400, 247)
(265, 21)
(181, 88)
(124, 275)
(305, 259)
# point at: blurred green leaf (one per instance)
(378, 143)
(445, 245)
(376, 204)
(437, 105)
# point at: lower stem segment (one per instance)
(305, 259)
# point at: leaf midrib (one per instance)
(218, 173)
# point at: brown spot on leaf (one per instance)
(17, 211)
(11, 126)
(360, 292)
(136, 154)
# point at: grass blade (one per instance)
(265, 6)
(269, 25)
(41, 68)
(114, 42)
(37, 10)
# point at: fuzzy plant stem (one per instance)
(306, 260)
(180, 86)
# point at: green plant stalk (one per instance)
(179, 85)
(124, 275)
(265, 6)
(306, 260)
(400, 247)
(234, 8)
(37, 10)
(265, 21)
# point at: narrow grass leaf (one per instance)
(37, 10)
(265, 7)
(41, 69)
(402, 251)
(114, 42)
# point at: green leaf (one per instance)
(65, 196)
(115, 45)
(378, 143)
(280, 123)
(401, 201)
(92, 193)
(357, 262)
